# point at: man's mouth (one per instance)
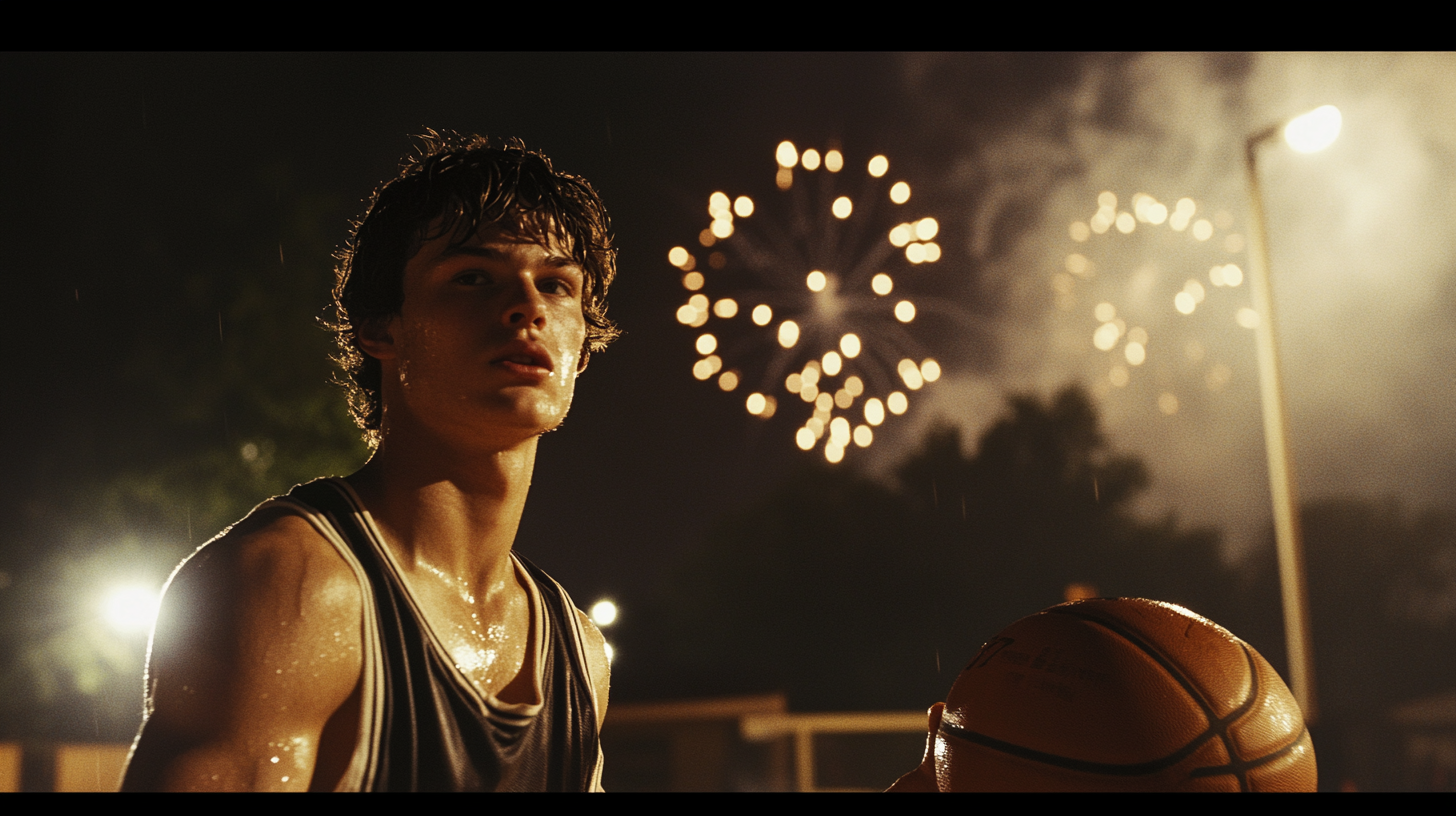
(525, 356)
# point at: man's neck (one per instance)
(446, 510)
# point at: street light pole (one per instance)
(1287, 535)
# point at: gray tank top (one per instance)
(423, 725)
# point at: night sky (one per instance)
(126, 174)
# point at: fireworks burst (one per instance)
(1164, 325)
(799, 294)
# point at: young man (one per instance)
(377, 632)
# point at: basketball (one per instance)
(1121, 694)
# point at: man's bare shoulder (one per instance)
(257, 645)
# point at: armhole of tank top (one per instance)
(360, 774)
(509, 714)
(579, 643)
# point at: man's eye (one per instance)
(472, 278)
(555, 287)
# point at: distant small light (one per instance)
(1248, 318)
(816, 281)
(1203, 229)
(1314, 131)
(1215, 275)
(725, 308)
(1157, 213)
(707, 367)
(678, 256)
(810, 159)
(1078, 264)
(915, 252)
(900, 192)
(832, 363)
(1135, 353)
(693, 281)
(823, 403)
(874, 411)
(839, 431)
(1104, 312)
(721, 228)
(834, 453)
(687, 314)
(788, 333)
(842, 207)
(834, 161)
(910, 373)
(1079, 231)
(603, 613)
(1106, 336)
(901, 234)
(762, 314)
(904, 311)
(706, 344)
(1125, 222)
(804, 438)
(743, 206)
(1184, 303)
(843, 399)
(854, 385)
(1107, 199)
(879, 166)
(707, 238)
(756, 403)
(794, 382)
(784, 178)
(728, 380)
(881, 284)
(849, 344)
(718, 204)
(1138, 334)
(863, 436)
(926, 228)
(897, 402)
(932, 251)
(786, 155)
(1232, 275)
(130, 609)
(930, 370)
(610, 652)
(1195, 289)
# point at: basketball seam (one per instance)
(1217, 726)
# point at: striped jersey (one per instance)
(423, 724)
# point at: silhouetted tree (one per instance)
(851, 593)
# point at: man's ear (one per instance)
(376, 337)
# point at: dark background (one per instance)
(168, 223)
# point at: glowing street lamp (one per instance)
(1309, 133)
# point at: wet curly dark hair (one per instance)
(465, 183)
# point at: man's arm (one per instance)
(257, 645)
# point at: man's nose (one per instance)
(527, 307)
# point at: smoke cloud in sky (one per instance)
(1361, 241)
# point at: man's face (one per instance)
(488, 340)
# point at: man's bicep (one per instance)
(258, 644)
